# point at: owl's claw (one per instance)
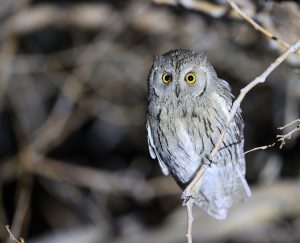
(208, 160)
(187, 195)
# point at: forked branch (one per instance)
(280, 138)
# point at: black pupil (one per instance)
(190, 78)
(168, 77)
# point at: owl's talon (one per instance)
(209, 160)
(187, 195)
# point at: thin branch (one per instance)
(289, 124)
(260, 79)
(282, 138)
(12, 237)
(216, 11)
(260, 148)
(258, 27)
(190, 219)
(207, 7)
(196, 179)
(279, 138)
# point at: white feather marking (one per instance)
(150, 142)
(192, 162)
(222, 104)
(153, 152)
(186, 139)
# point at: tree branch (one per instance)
(191, 189)
(257, 26)
(279, 138)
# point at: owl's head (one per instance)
(181, 73)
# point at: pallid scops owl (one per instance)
(187, 110)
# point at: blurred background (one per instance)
(74, 161)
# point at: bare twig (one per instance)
(169, 2)
(289, 124)
(12, 237)
(260, 79)
(279, 138)
(282, 138)
(258, 27)
(190, 201)
(189, 207)
(207, 7)
(215, 10)
(260, 148)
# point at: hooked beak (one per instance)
(177, 90)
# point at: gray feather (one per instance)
(184, 122)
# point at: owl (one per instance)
(188, 106)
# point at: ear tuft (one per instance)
(155, 58)
(202, 55)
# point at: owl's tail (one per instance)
(221, 188)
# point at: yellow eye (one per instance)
(190, 78)
(166, 78)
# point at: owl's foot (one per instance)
(208, 160)
(192, 190)
(186, 196)
(190, 193)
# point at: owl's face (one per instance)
(180, 74)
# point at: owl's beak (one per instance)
(177, 90)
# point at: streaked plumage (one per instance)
(184, 122)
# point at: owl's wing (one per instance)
(154, 153)
(236, 129)
(223, 183)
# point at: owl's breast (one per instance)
(180, 148)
